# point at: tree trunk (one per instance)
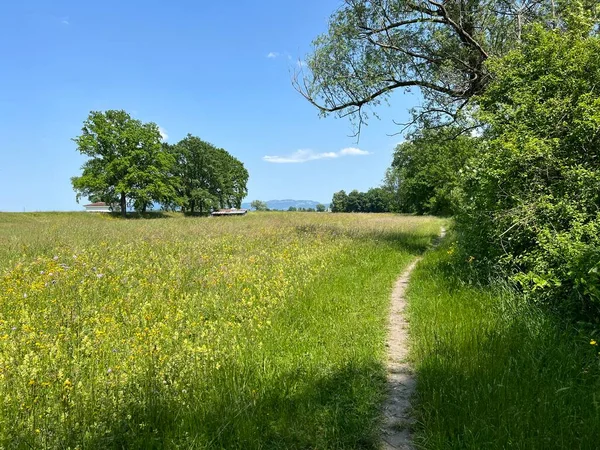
(192, 204)
(123, 205)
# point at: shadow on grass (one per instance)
(502, 373)
(414, 243)
(196, 214)
(138, 215)
(296, 410)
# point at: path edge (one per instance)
(396, 432)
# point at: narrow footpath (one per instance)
(396, 431)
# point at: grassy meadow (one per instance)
(497, 371)
(263, 331)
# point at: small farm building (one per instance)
(229, 212)
(97, 207)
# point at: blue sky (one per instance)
(218, 70)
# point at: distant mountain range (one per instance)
(285, 204)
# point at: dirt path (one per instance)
(400, 378)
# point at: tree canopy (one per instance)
(439, 47)
(375, 200)
(426, 170)
(128, 165)
(209, 177)
(525, 192)
(339, 202)
(127, 161)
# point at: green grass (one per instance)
(495, 371)
(265, 331)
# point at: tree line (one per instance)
(129, 165)
(508, 138)
(375, 200)
(260, 205)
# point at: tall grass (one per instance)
(494, 370)
(265, 331)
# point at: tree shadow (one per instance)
(517, 375)
(196, 214)
(298, 409)
(139, 215)
(414, 243)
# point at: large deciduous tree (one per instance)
(209, 176)
(374, 47)
(355, 202)
(426, 170)
(339, 203)
(377, 200)
(234, 180)
(127, 163)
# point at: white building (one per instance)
(98, 207)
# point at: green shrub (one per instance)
(530, 202)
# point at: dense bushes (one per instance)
(530, 202)
(526, 192)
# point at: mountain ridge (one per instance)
(287, 203)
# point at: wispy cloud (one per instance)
(274, 55)
(301, 156)
(352, 151)
(65, 21)
(163, 134)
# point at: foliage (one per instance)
(320, 207)
(494, 370)
(259, 205)
(209, 177)
(339, 202)
(531, 199)
(439, 47)
(355, 202)
(426, 170)
(375, 200)
(126, 161)
(262, 332)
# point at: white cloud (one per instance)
(352, 151)
(65, 21)
(163, 134)
(274, 55)
(301, 156)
